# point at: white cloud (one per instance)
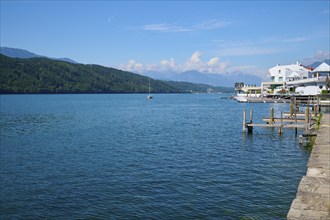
(165, 28)
(212, 24)
(207, 25)
(295, 40)
(220, 67)
(213, 61)
(195, 62)
(132, 66)
(167, 65)
(215, 65)
(319, 56)
(196, 56)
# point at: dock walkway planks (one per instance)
(292, 120)
(277, 125)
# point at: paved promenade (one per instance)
(312, 201)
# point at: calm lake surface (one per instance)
(178, 156)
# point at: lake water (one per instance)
(178, 156)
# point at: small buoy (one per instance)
(301, 139)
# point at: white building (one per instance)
(319, 81)
(289, 79)
(322, 70)
(286, 73)
(281, 74)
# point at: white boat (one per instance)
(149, 96)
(241, 98)
(247, 92)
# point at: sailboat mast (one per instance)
(149, 96)
(149, 86)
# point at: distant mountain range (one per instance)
(222, 80)
(227, 80)
(24, 54)
(316, 64)
(214, 80)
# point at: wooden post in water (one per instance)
(307, 118)
(251, 115)
(315, 111)
(291, 109)
(295, 119)
(250, 128)
(292, 106)
(244, 120)
(271, 116)
(280, 129)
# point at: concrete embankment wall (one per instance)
(312, 201)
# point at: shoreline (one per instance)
(312, 200)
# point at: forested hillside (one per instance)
(188, 87)
(43, 75)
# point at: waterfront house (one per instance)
(323, 70)
(284, 73)
(281, 74)
(294, 79)
(317, 83)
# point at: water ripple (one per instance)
(121, 157)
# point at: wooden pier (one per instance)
(302, 123)
(277, 123)
(299, 120)
(292, 119)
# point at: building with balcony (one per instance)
(284, 73)
(281, 74)
(318, 82)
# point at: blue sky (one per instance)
(139, 36)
